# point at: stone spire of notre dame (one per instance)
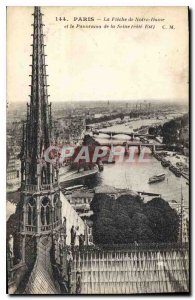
(40, 206)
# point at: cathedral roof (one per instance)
(133, 272)
(41, 279)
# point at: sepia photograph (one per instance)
(97, 150)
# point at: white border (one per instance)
(98, 3)
(3, 4)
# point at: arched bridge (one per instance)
(153, 147)
(131, 134)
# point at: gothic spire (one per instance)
(39, 96)
(38, 125)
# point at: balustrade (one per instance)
(50, 226)
(36, 188)
(30, 228)
(46, 227)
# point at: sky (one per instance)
(101, 64)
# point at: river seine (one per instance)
(135, 175)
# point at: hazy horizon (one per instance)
(119, 102)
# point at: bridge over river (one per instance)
(153, 145)
(131, 134)
(139, 145)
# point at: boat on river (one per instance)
(165, 163)
(156, 178)
(175, 170)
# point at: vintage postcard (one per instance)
(98, 150)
